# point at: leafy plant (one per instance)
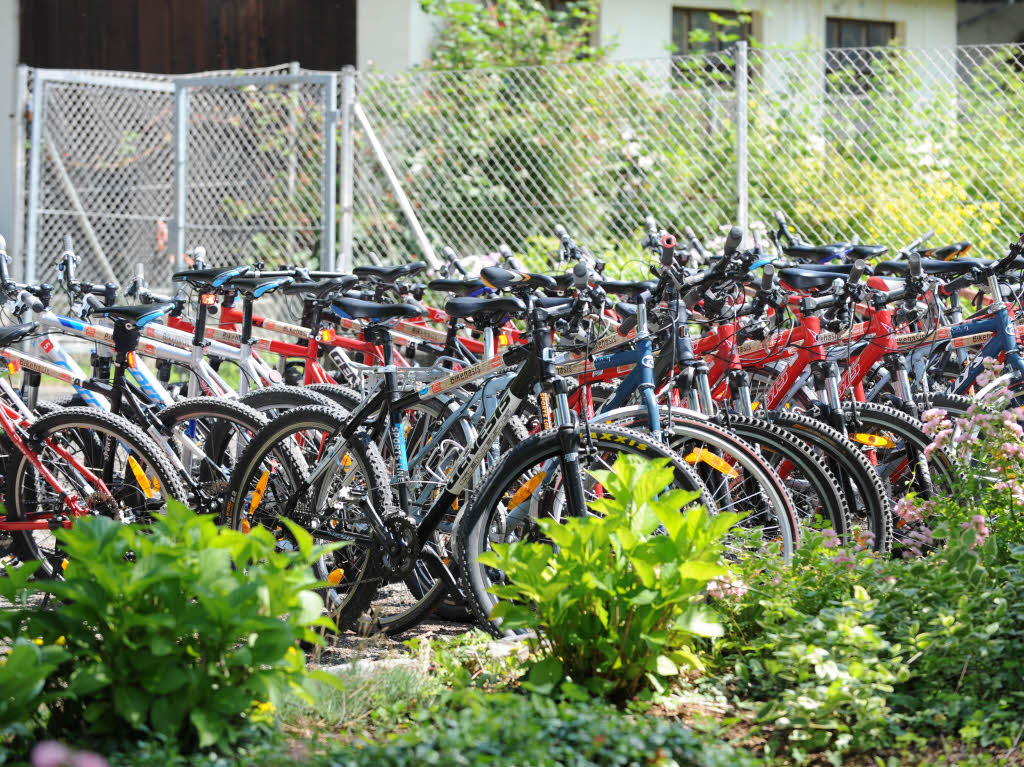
(616, 607)
(182, 629)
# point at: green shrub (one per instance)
(616, 607)
(171, 630)
(842, 651)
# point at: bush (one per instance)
(170, 630)
(844, 652)
(616, 608)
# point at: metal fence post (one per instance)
(348, 100)
(180, 170)
(742, 201)
(19, 161)
(34, 174)
(328, 243)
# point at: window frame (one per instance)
(685, 50)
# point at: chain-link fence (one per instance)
(877, 144)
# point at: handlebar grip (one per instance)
(627, 325)
(733, 240)
(668, 250)
(767, 277)
(859, 267)
(67, 242)
(448, 252)
(504, 251)
(688, 233)
(198, 256)
(780, 219)
(652, 225)
(915, 265)
(560, 232)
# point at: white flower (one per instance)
(645, 163)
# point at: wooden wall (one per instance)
(177, 36)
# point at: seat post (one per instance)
(126, 341)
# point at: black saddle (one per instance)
(860, 251)
(815, 252)
(933, 266)
(459, 287)
(809, 279)
(137, 315)
(485, 311)
(321, 289)
(358, 309)
(210, 277)
(14, 333)
(254, 287)
(388, 275)
(627, 287)
(843, 268)
(946, 251)
(498, 279)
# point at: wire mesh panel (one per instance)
(503, 155)
(885, 143)
(258, 170)
(104, 173)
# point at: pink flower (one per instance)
(726, 587)
(981, 531)
(865, 540)
(933, 419)
(830, 538)
(844, 559)
(50, 753)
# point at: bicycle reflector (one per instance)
(208, 299)
(327, 335)
(13, 366)
(712, 460)
(131, 359)
(140, 477)
(261, 488)
(335, 576)
(526, 490)
(873, 440)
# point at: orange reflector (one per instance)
(872, 440)
(246, 527)
(131, 359)
(261, 488)
(755, 405)
(526, 490)
(140, 477)
(503, 340)
(209, 299)
(13, 366)
(63, 564)
(327, 335)
(712, 460)
(335, 576)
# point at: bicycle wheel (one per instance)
(109, 463)
(737, 478)
(867, 496)
(275, 400)
(337, 506)
(815, 490)
(207, 435)
(526, 485)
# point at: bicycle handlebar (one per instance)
(767, 278)
(733, 240)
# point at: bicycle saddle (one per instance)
(843, 268)
(14, 333)
(815, 252)
(946, 252)
(485, 311)
(627, 287)
(459, 287)
(135, 316)
(934, 266)
(498, 278)
(254, 287)
(321, 289)
(388, 274)
(808, 279)
(357, 309)
(210, 277)
(853, 252)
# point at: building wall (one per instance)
(8, 116)
(995, 22)
(643, 28)
(393, 34)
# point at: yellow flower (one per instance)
(38, 641)
(61, 640)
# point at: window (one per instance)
(702, 31)
(847, 33)
(847, 66)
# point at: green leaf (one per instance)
(544, 676)
(131, 703)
